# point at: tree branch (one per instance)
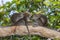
(21, 30)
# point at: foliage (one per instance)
(50, 8)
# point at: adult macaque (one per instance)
(40, 19)
(21, 19)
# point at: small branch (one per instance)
(21, 30)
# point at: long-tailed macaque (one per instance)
(40, 20)
(21, 19)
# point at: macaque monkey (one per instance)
(21, 19)
(39, 19)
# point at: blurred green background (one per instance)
(50, 8)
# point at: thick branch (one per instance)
(21, 30)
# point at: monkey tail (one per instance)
(29, 35)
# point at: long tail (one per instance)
(26, 24)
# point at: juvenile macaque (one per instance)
(40, 19)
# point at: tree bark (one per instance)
(22, 30)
